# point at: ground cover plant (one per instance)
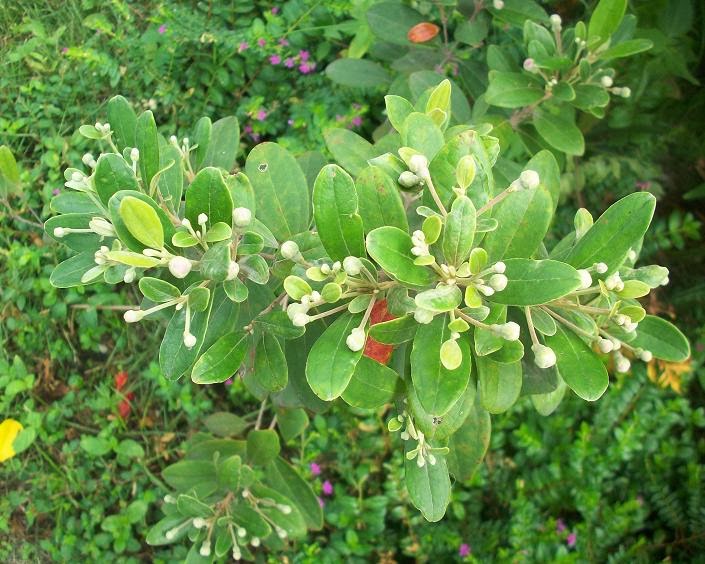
(399, 293)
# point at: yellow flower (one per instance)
(9, 429)
(668, 374)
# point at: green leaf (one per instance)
(398, 109)
(616, 231)
(209, 194)
(391, 247)
(262, 447)
(349, 149)
(428, 486)
(221, 360)
(9, 173)
(512, 90)
(175, 359)
(224, 144)
(147, 141)
(469, 444)
(281, 476)
(241, 191)
(559, 131)
(190, 506)
(123, 121)
(500, 383)
(626, 49)
(437, 387)
(95, 446)
(547, 403)
(215, 262)
(158, 290)
(358, 73)
(422, 134)
(277, 323)
(187, 474)
(293, 523)
(578, 365)
(142, 222)
(121, 228)
(74, 202)
(459, 231)
(76, 241)
(255, 268)
(525, 216)
(442, 298)
(224, 424)
(112, 174)
(379, 200)
(69, 273)
(391, 21)
(535, 282)
(331, 364)
(291, 422)
(606, 18)
(271, 370)
(281, 192)
(662, 338)
(171, 180)
(372, 385)
(335, 212)
(200, 140)
(396, 331)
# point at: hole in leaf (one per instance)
(263, 167)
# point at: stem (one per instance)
(260, 413)
(530, 324)
(494, 201)
(567, 323)
(472, 321)
(434, 194)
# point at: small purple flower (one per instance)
(248, 128)
(289, 62)
(327, 488)
(261, 115)
(64, 50)
(306, 68)
(162, 29)
(261, 42)
(560, 526)
(242, 47)
(571, 540)
(275, 59)
(290, 122)
(275, 10)
(229, 382)
(56, 191)
(315, 468)
(464, 550)
(255, 137)
(304, 55)
(284, 42)
(357, 121)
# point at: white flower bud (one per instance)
(88, 160)
(133, 315)
(625, 92)
(605, 345)
(612, 281)
(515, 186)
(281, 533)
(498, 4)
(77, 176)
(498, 282)
(485, 290)
(356, 339)
(646, 356)
(205, 549)
(186, 141)
(529, 179)
(189, 340)
(585, 279)
(134, 154)
(99, 126)
(315, 296)
(325, 268)
(289, 250)
(300, 319)
(418, 164)
(233, 270)
(630, 326)
(431, 459)
(408, 179)
(621, 319)
(255, 541)
(622, 364)
(179, 267)
(101, 227)
(423, 316)
(199, 522)
(544, 357)
(60, 232)
(600, 267)
(171, 534)
(106, 127)
(352, 266)
(530, 65)
(499, 267)
(509, 331)
(616, 344)
(202, 219)
(631, 255)
(285, 509)
(173, 140)
(242, 217)
(606, 81)
(130, 275)
(168, 498)
(555, 22)
(241, 532)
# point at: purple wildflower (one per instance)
(304, 55)
(243, 46)
(315, 469)
(275, 10)
(571, 540)
(261, 115)
(162, 29)
(284, 42)
(275, 59)
(261, 42)
(560, 526)
(357, 121)
(56, 191)
(306, 68)
(290, 63)
(327, 488)
(464, 550)
(64, 49)
(229, 382)
(290, 122)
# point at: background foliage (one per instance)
(620, 479)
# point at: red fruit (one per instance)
(423, 32)
(120, 380)
(374, 349)
(124, 407)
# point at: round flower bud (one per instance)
(485, 290)
(189, 340)
(135, 154)
(233, 270)
(625, 92)
(631, 255)
(418, 164)
(60, 232)
(352, 266)
(173, 140)
(199, 522)
(510, 331)
(555, 21)
(205, 549)
(499, 267)
(179, 267)
(133, 315)
(529, 179)
(130, 275)
(186, 141)
(585, 279)
(300, 319)
(242, 217)
(498, 4)
(498, 282)
(606, 81)
(289, 250)
(408, 179)
(255, 541)
(356, 339)
(202, 219)
(600, 267)
(646, 356)
(622, 364)
(612, 281)
(605, 345)
(285, 509)
(544, 357)
(77, 176)
(171, 534)
(241, 532)
(530, 65)
(423, 316)
(88, 159)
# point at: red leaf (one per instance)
(423, 32)
(374, 349)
